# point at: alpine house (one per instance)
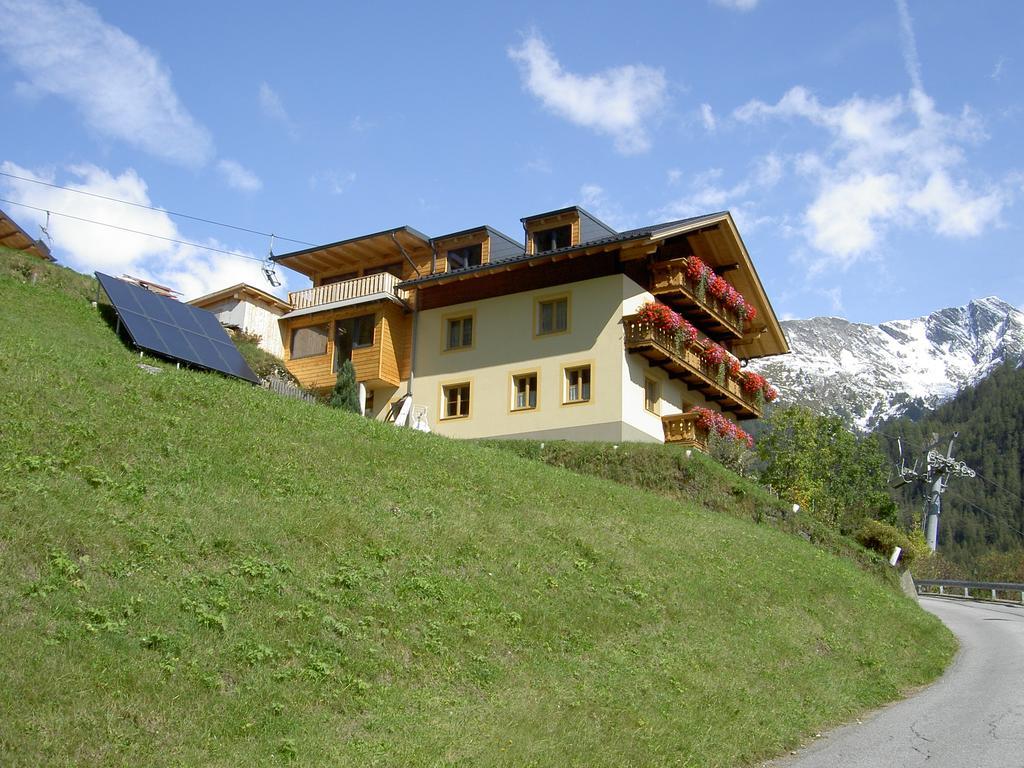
(584, 333)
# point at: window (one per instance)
(352, 333)
(552, 315)
(524, 391)
(456, 400)
(458, 332)
(309, 341)
(459, 258)
(651, 396)
(577, 384)
(550, 239)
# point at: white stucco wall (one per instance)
(504, 345)
(263, 321)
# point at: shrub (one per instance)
(883, 538)
(346, 391)
(263, 363)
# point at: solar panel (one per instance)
(179, 331)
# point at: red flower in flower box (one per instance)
(770, 393)
(718, 287)
(695, 268)
(751, 312)
(734, 365)
(705, 417)
(660, 316)
(753, 382)
(713, 355)
(687, 332)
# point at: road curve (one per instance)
(973, 717)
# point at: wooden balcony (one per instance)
(660, 350)
(370, 287)
(711, 316)
(681, 429)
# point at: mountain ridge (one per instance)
(867, 374)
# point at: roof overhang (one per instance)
(720, 245)
(14, 237)
(238, 291)
(355, 252)
(368, 299)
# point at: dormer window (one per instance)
(551, 239)
(460, 258)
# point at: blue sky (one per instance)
(871, 152)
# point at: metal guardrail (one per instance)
(966, 586)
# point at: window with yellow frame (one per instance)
(524, 391)
(577, 384)
(551, 315)
(652, 394)
(455, 400)
(458, 332)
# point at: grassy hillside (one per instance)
(697, 479)
(197, 572)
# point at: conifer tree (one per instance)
(346, 390)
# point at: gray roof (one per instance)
(393, 230)
(631, 234)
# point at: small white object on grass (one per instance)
(689, 453)
(895, 558)
(796, 508)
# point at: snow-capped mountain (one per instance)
(868, 373)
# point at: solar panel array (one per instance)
(172, 329)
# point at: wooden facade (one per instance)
(461, 240)
(384, 363)
(569, 218)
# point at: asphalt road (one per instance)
(973, 717)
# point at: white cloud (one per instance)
(121, 88)
(845, 218)
(737, 5)
(360, 124)
(238, 176)
(335, 182)
(89, 247)
(273, 107)
(890, 162)
(594, 199)
(673, 176)
(998, 68)
(707, 116)
(909, 45)
(618, 102)
(707, 194)
(539, 165)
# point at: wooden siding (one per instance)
(569, 217)
(382, 282)
(501, 282)
(376, 365)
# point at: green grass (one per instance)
(696, 479)
(194, 571)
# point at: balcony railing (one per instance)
(682, 429)
(346, 290)
(670, 281)
(660, 348)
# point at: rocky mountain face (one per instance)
(866, 374)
